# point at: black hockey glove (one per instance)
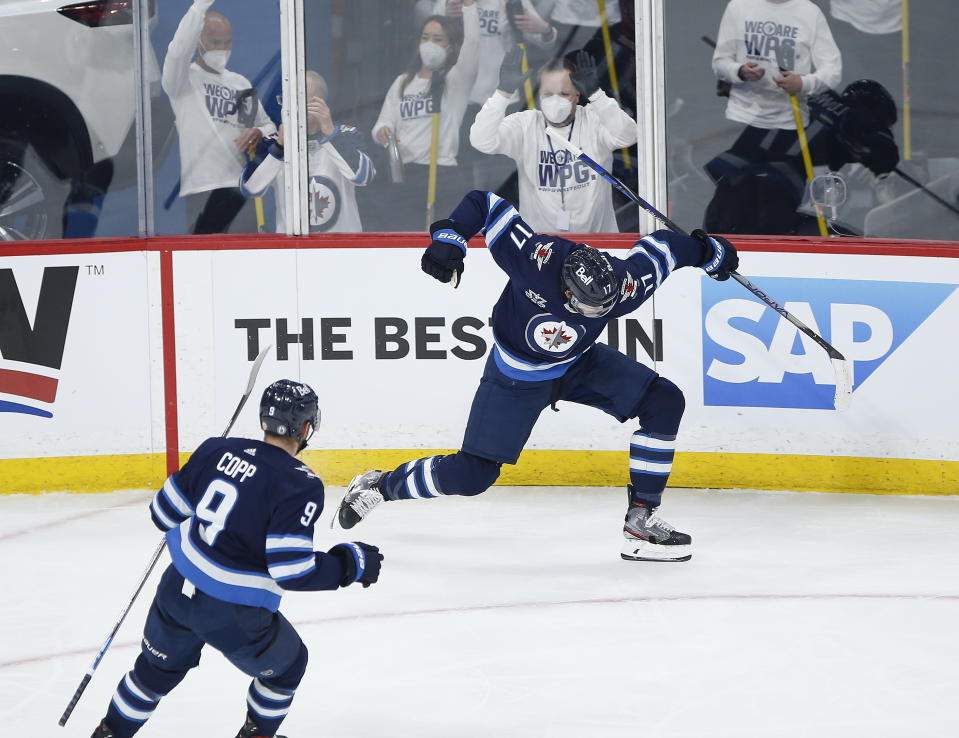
(719, 255)
(361, 562)
(511, 70)
(445, 254)
(585, 77)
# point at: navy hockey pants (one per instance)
(260, 643)
(505, 410)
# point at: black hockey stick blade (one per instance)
(254, 370)
(843, 394)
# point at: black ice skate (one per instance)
(360, 499)
(650, 538)
(103, 731)
(249, 730)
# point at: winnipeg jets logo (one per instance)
(628, 290)
(541, 254)
(538, 299)
(555, 339)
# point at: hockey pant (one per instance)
(261, 643)
(505, 410)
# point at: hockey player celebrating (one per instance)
(557, 302)
(239, 522)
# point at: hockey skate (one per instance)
(103, 731)
(360, 499)
(249, 730)
(650, 538)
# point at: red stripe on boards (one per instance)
(24, 384)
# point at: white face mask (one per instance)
(556, 108)
(432, 55)
(216, 60)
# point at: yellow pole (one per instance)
(906, 92)
(613, 79)
(807, 160)
(527, 84)
(431, 186)
(258, 205)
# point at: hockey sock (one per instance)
(650, 461)
(268, 700)
(446, 474)
(137, 696)
(652, 446)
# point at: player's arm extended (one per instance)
(478, 211)
(654, 257)
(290, 557)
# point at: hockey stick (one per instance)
(916, 183)
(840, 366)
(153, 561)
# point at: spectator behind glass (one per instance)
(557, 192)
(577, 21)
(406, 115)
(751, 34)
(337, 165)
(218, 120)
(496, 35)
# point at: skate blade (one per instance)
(637, 550)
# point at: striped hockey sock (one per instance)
(650, 462)
(131, 706)
(268, 706)
(414, 480)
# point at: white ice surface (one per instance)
(800, 615)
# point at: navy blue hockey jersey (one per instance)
(535, 335)
(239, 520)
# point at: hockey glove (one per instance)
(511, 71)
(719, 255)
(445, 254)
(585, 77)
(361, 562)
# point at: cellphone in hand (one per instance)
(514, 8)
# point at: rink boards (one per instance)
(119, 358)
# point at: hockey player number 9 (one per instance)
(215, 507)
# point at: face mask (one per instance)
(216, 60)
(432, 55)
(556, 108)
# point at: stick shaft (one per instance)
(807, 159)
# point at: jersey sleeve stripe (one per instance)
(294, 569)
(176, 498)
(158, 513)
(286, 543)
(663, 248)
(640, 250)
(501, 224)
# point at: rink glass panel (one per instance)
(68, 160)
(697, 129)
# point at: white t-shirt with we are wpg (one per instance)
(207, 112)
(754, 31)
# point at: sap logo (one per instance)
(39, 342)
(754, 358)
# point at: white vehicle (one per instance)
(68, 106)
